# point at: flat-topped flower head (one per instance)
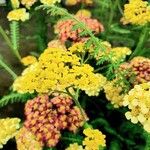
(18, 15)
(9, 127)
(49, 2)
(75, 2)
(74, 146)
(46, 118)
(26, 140)
(28, 3)
(136, 12)
(56, 70)
(94, 139)
(138, 102)
(28, 60)
(65, 32)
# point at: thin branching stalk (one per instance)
(8, 69)
(9, 43)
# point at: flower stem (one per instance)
(75, 98)
(142, 40)
(8, 69)
(8, 42)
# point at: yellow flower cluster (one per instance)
(84, 13)
(74, 146)
(49, 2)
(18, 14)
(94, 140)
(77, 48)
(28, 60)
(136, 12)
(26, 140)
(138, 101)
(114, 93)
(56, 70)
(8, 129)
(87, 81)
(28, 3)
(74, 2)
(117, 53)
(15, 4)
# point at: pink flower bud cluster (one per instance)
(65, 31)
(45, 118)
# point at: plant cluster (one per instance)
(88, 88)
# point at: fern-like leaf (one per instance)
(14, 30)
(13, 98)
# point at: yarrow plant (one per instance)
(85, 84)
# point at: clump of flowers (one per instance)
(75, 2)
(65, 32)
(140, 66)
(74, 146)
(49, 2)
(94, 139)
(28, 3)
(18, 15)
(8, 130)
(136, 14)
(28, 60)
(45, 118)
(26, 140)
(56, 70)
(138, 102)
(84, 13)
(114, 93)
(116, 53)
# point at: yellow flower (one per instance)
(117, 53)
(71, 2)
(18, 14)
(77, 47)
(28, 3)
(8, 129)
(84, 13)
(136, 14)
(49, 2)
(138, 102)
(26, 140)
(113, 93)
(74, 146)
(28, 60)
(94, 139)
(56, 70)
(15, 4)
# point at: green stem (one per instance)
(8, 69)
(143, 37)
(75, 98)
(8, 42)
(14, 28)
